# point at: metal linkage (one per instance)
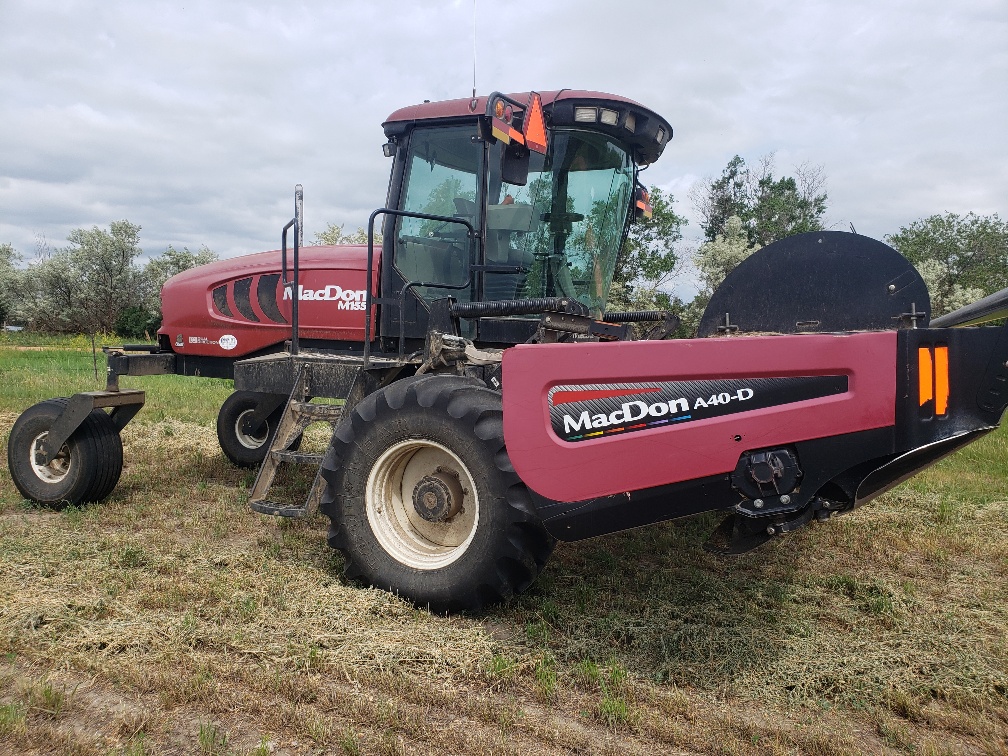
(667, 322)
(579, 325)
(124, 405)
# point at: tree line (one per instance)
(97, 283)
(961, 257)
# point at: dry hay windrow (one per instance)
(196, 574)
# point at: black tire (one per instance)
(246, 450)
(86, 469)
(489, 550)
(110, 451)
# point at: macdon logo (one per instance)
(346, 299)
(631, 412)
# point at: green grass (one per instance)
(61, 366)
(885, 630)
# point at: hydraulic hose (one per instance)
(502, 307)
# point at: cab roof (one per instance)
(645, 131)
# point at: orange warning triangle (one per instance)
(535, 125)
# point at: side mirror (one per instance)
(515, 164)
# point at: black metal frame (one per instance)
(368, 299)
(124, 404)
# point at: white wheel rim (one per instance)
(58, 467)
(400, 530)
(247, 439)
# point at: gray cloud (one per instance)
(196, 121)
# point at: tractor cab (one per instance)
(508, 197)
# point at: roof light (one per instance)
(609, 117)
(630, 123)
(661, 134)
(585, 115)
(499, 109)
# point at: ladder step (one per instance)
(318, 411)
(298, 415)
(262, 506)
(298, 458)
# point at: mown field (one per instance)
(171, 619)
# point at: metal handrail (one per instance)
(473, 237)
(289, 285)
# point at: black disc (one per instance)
(819, 282)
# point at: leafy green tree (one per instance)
(137, 322)
(84, 287)
(333, 235)
(784, 208)
(10, 283)
(717, 200)
(649, 259)
(715, 259)
(142, 320)
(95, 284)
(170, 263)
(770, 208)
(961, 258)
(947, 294)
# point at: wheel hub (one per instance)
(249, 436)
(422, 504)
(438, 497)
(56, 469)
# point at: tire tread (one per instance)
(523, 547)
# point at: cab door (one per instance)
(442, 175)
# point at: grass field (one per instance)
(171, 619)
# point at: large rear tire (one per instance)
(246, 449)
(423, 500)
(86, 468)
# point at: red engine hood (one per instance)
(239, 306)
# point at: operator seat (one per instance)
(503, 221)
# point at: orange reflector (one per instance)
(933, 378)
(925, 373)
(516, 136)
(500, 130)
(941, 380)
(534, 127)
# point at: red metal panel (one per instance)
(334, 312)
(671, 453)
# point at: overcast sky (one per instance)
(196, 119)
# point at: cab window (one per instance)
(442, 178)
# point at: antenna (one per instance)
(474, 51)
